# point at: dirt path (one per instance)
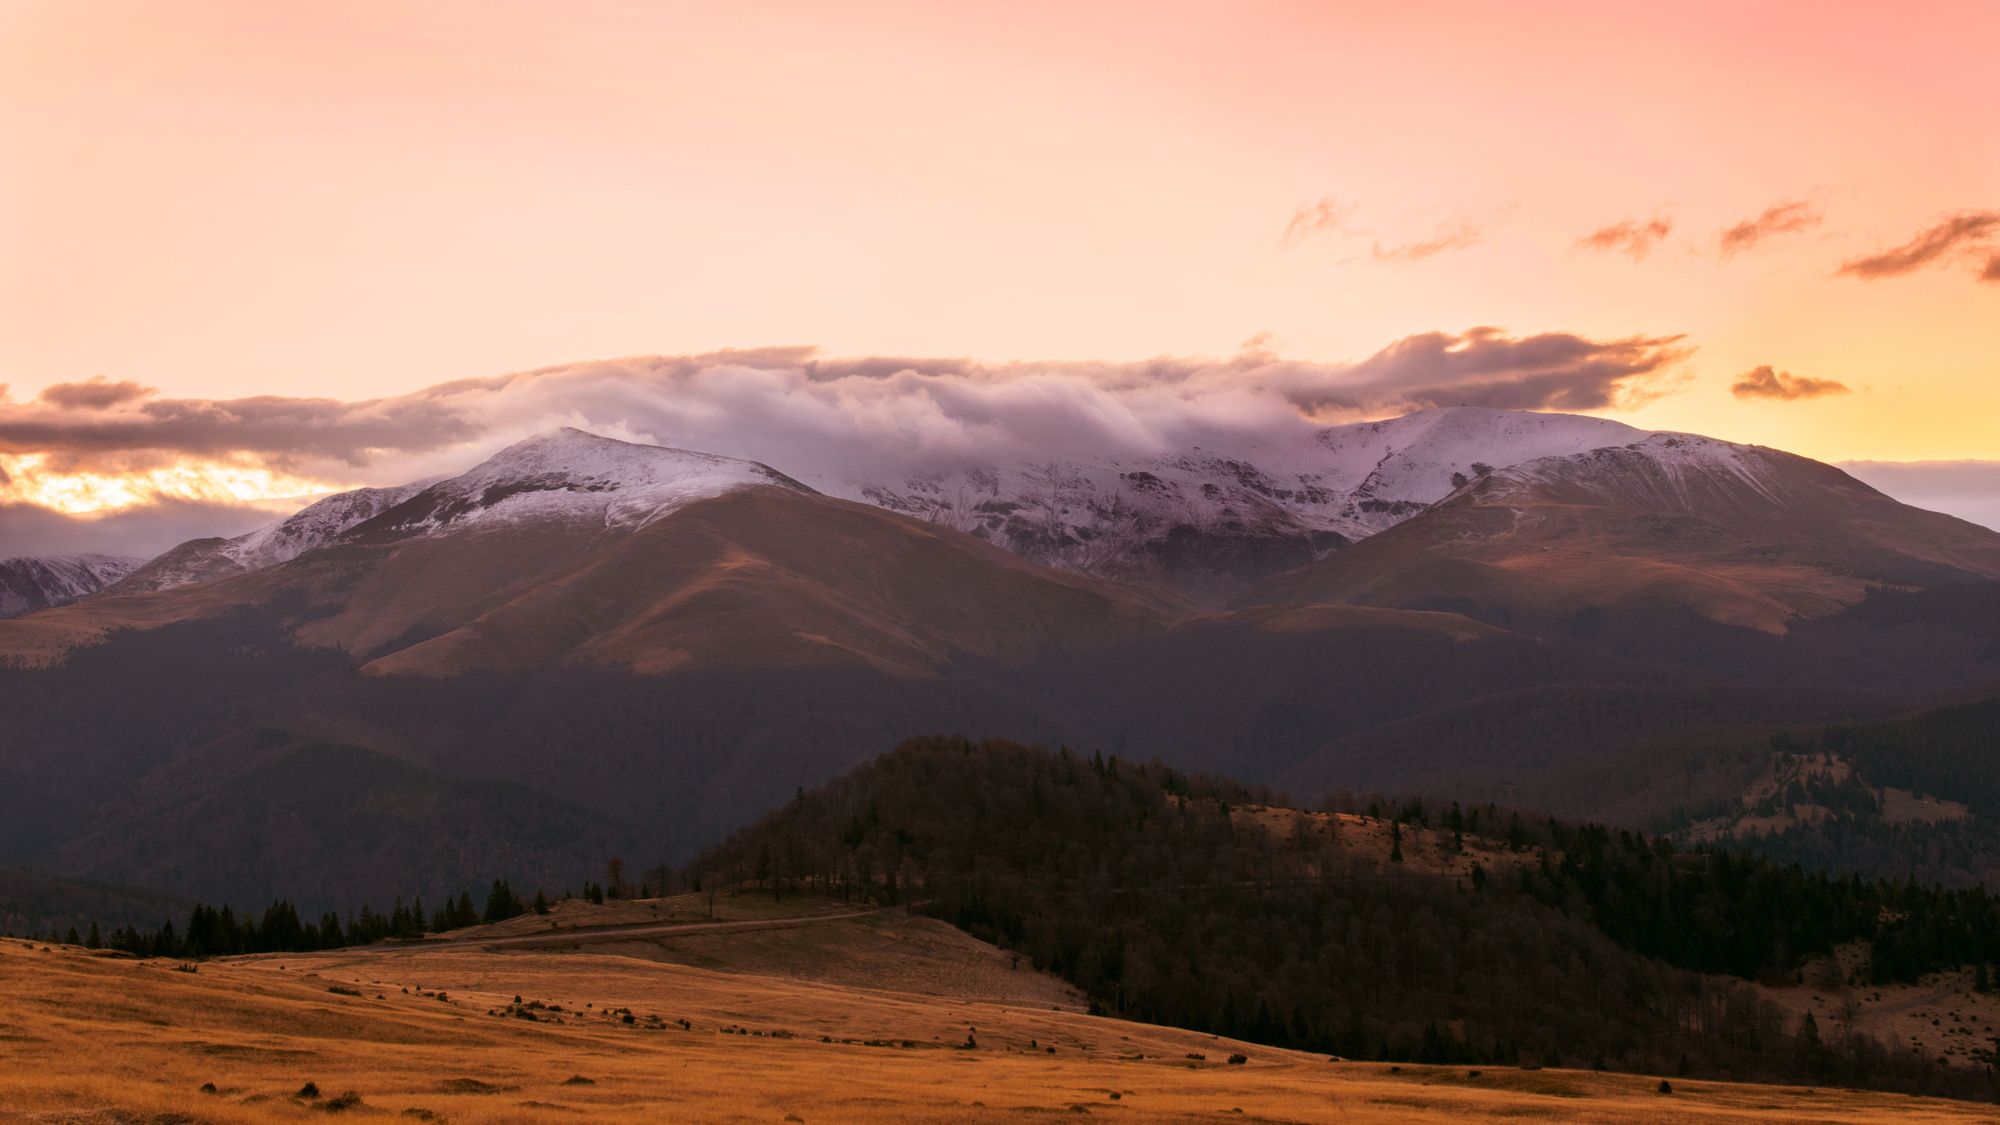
(583, 935)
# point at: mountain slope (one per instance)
(28, 584)
(1739, 534)
(319, 523)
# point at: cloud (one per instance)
(1452, 236)
(141, 531)
(282, 429)
(1969, 490)
(96, 393)
(1323, 216)
(1764, 382)
(1485, 367)
(1779, 218)
(1992, 270)
(1629, 237)
(834, 419)
(1965, 231)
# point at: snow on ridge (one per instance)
(312, 526)
(1336, 484)
(29, 583)
(1672, 470)
(574, 475)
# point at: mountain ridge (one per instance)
(32, 582)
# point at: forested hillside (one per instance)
(1587, 947)
(1947, 759)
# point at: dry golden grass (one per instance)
(89, 1038)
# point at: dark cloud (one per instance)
(1320, 217)
(96, 393)
(142, 531)
(1765, 382)
(1779, 218)
(1453, 236)
(1969, 490)
(1631, 237)
(280, 428)
(1965, 231)
(1992, 270)
(1485, 367)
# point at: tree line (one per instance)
(221, 932)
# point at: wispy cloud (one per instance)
(1451, 236)
(1788, 217)
(1631, 236)
(1966, 231)
(1767, 382)
(1323, 216)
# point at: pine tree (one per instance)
(94, 941)
(501, 902)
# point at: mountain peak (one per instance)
(574, 474)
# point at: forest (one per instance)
(1135, 882)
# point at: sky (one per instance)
(252, 252)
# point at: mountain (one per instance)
(661, 644)
(28, 584)
(319, 523)
(1207, 522)
(1738, 534)
(571, 547)
(664, 639)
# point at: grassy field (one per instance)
(462, 1033)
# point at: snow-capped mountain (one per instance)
(28, 584)
(315, 525)
(575, 548)
(572, 476)
(1738, 533)
(566, 473)
(1206, 520)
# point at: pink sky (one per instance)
(358, 199)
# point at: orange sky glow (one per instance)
(350, 201)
